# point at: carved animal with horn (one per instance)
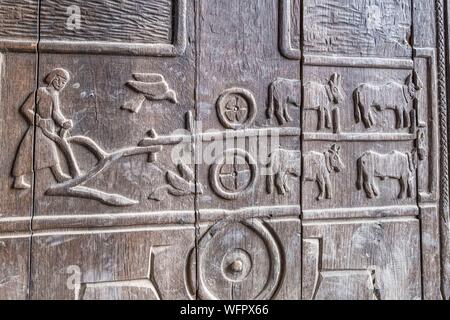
(319, 166)
(393, 165)
(325, 99)
(389, 96)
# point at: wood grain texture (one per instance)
(139, 21)
(361, 28)
(17, 81)
(241, 149)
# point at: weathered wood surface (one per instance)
(195, 149)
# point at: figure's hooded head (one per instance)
(58, 78)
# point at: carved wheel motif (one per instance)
(233, 174)
(236, 108)
(249, 257)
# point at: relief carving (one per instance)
(51, 134)
(282, 165)
(322, 284)
(151, 87)
(236, 108)
(325, 100)
(233, 174)
(283, 93)
(357, 27)
(146, 286)
(318, 168)
(394, 165)
(389, 96)
(239, 260)
(289, 30)
(179, 184)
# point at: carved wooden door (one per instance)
(238, 149)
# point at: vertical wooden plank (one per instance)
(113, 198)
(249, 90)
(358, 62)
(18, 60)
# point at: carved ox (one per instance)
(393, 165)
(325, 99)
(389, 96)
(282, 94)
(283, 163)
(319, 166)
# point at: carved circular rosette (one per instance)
(237, 260)
(236, 108)
(233, 174)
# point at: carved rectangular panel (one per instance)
(14, 266)
(290, 26)
(362, 260)
(18, 24)
(139, 27)
(358, 27)
(252, 259)
(141, 263)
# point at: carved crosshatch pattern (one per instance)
(331, 182)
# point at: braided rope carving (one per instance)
(444, 179)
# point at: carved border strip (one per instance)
(102, 47)
(365, 212)
(285, 32)
(430, 55)
(358, 137)
(358, 62)
(206, 215)
(14, 224)
(113, 220)
(444, 179)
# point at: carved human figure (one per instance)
(325, 99)
(318, 168)
(282, 94)
(394, 165)
(42, 108)
(283, 164)
(391, 95)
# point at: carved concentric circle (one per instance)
(236, 108)
(238, 260)
(233, 174)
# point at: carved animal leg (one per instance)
(321, 185)
(410, 187)
(59, 175)
(366, 116)
(328, 188)
(368, 188)
(402, 194)
(406, 119)
(286, 183)
(320, 118)
(328, 121)
(399, 118)
(336, 121)
(287, 116)
(280, 184)
(374, 188)
(21, 183)
(370, 118)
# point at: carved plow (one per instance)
(75, 186)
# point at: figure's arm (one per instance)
(59, 118)
(27, 109)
